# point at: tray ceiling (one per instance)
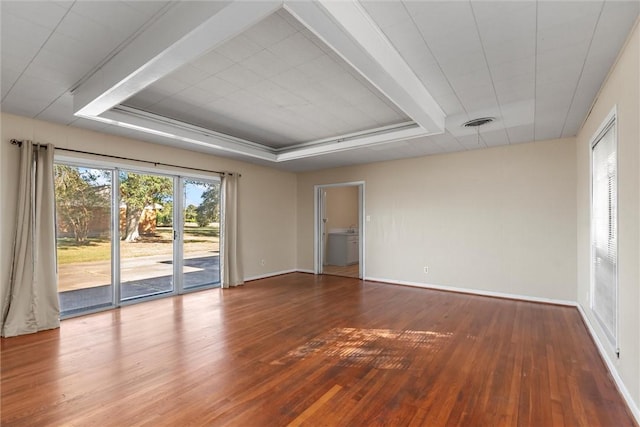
(304, 85)
(276, 84)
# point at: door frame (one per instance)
(319, 203)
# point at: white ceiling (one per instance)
(250, 81)
(276, 84)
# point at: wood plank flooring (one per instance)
(312, 350)
(352, 270)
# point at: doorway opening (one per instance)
(339, 229)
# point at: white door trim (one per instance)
(318, 209)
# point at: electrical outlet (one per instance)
(426, 270)
(262, 262)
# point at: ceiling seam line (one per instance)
(354, 71)
(391, 44)
(38, 52)
(441, 70)
(121, 46)
(493, 86)
(104, 61)
(575, 90)
(325, 48)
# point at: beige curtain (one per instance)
(31, 304)
(232, 274)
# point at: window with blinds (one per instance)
(604, 236)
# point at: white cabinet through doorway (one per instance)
(342, 249)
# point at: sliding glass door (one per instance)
(84, 238)
(201, 233)
(157, 235)
(146, 235)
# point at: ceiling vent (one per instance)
(478, 122)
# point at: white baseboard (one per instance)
(300, 270)
(611, 366)
(476, 292)
(273, 273)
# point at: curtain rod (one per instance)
(19, 144)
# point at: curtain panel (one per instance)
(232, 274)
(31, 303)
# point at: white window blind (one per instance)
(604, 289)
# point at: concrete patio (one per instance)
(83, 285)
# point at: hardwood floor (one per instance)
(305, 350)
(352, 270)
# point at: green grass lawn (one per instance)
(95, 250)
(99, 249)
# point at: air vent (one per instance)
(478, 122)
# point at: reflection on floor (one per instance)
(346, 271)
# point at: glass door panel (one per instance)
(201, 233)
(83, 234)
(146, 235)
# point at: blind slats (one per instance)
(605, 233)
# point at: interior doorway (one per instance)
(339, 229)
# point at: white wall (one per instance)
(342, 207)
(622, 89)
(267, 196)
(6, 170)
(499, 220)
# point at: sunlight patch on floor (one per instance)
(377, 348)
